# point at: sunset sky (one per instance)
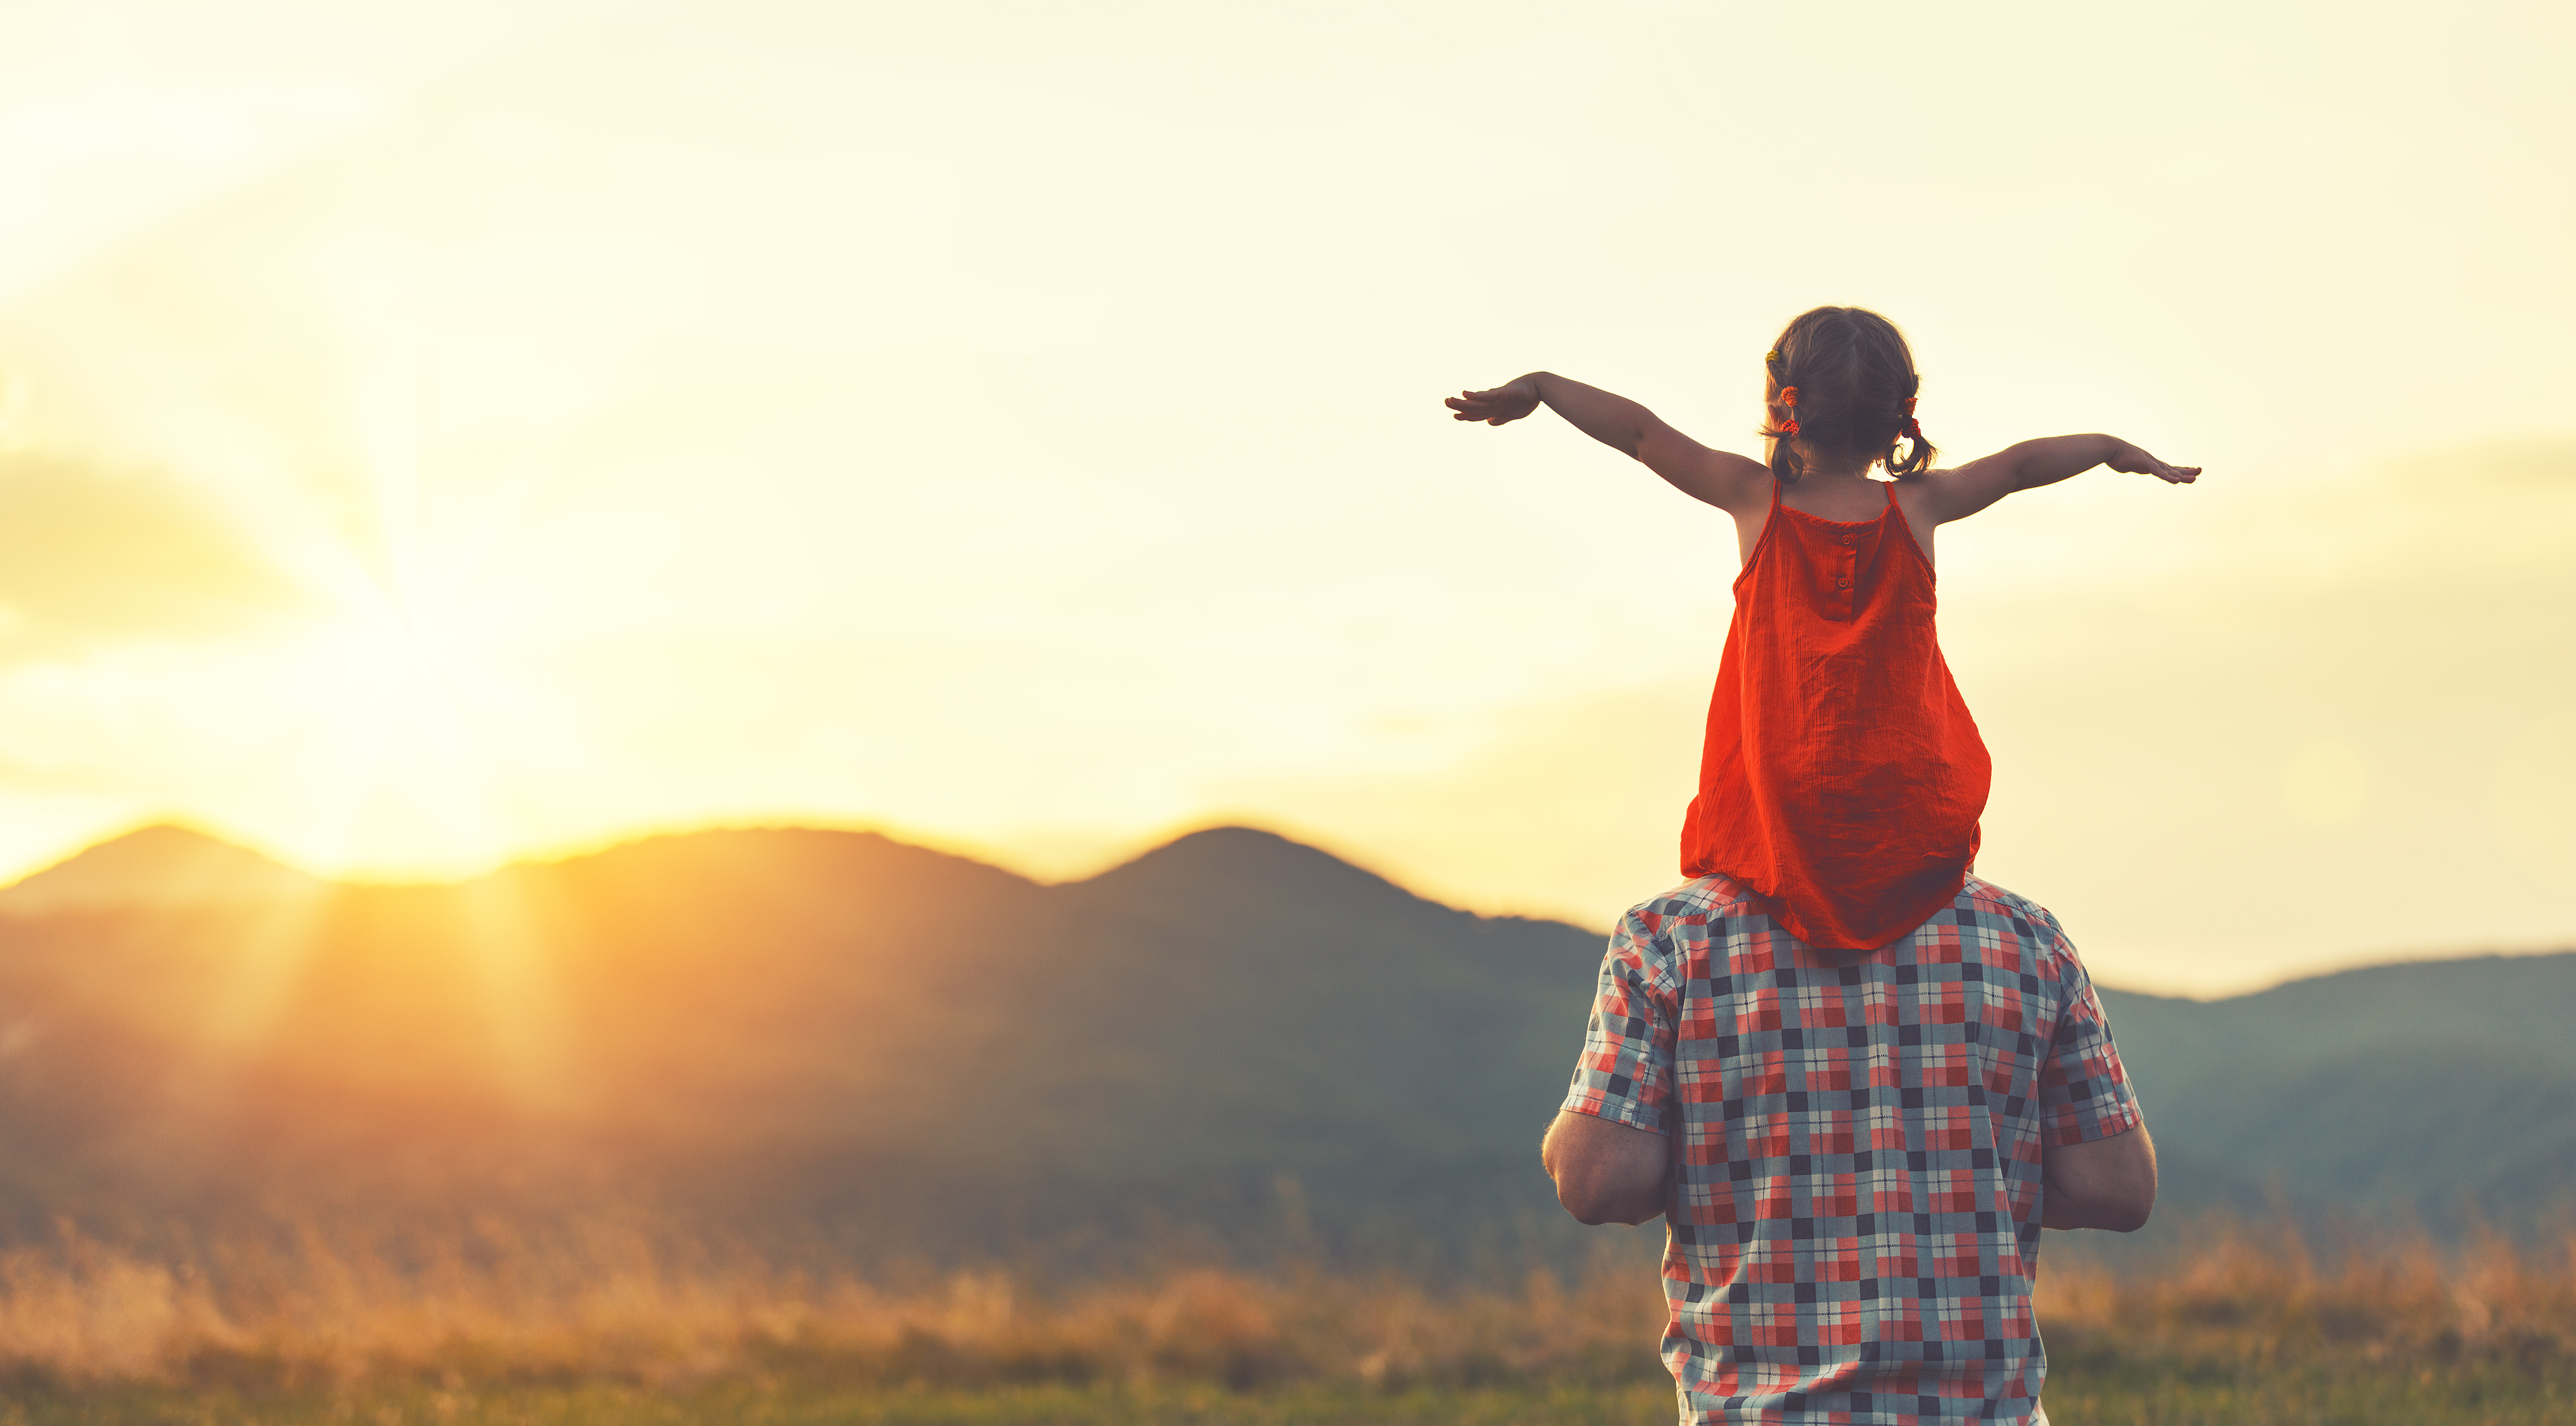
(432, 434)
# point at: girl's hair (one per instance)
(1856, 383)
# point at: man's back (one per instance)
(1856, 1148)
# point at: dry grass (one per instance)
(2258, 1296)
(2247, 1326)
(620, 1303)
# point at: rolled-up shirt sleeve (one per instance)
(1625, 1074)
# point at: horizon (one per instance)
(558, 855)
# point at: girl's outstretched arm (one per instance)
(1958, 494)
(1728, 481)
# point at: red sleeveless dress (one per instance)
(1842, 778)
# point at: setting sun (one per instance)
(505, 432)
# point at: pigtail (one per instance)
(1784, 460)
(1785, 465)
(1918, 460)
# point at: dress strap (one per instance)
(1899, 510)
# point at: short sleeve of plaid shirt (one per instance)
(2084, 1090)
(1625, 1074)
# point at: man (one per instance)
(1854, 1153)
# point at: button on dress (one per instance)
(1842, 777)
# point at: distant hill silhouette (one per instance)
(2436, 1089)
(155, 866)
(833, 1033)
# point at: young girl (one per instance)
(1842, 777)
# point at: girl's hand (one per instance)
(2138, 462)
(1508, 402)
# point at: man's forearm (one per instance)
(2061, 1209)
(2102, 1183)
(1606, 1172)
(1605, 416)
(1639, 1206)
(1595, 1199)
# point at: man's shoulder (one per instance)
(1663, 935)
(1994, 906)
(1696, 902)
(2043, 945)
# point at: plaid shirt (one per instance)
(1853, 1226)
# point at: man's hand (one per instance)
(2137, 462)
(1605, 1172)
(1508, 402)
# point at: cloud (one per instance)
(91, 556)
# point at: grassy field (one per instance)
(2490, 1396)
(1055, 1405)
(616, 1323)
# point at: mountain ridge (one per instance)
(762, 1027)
(177, 863)
(163, 863)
